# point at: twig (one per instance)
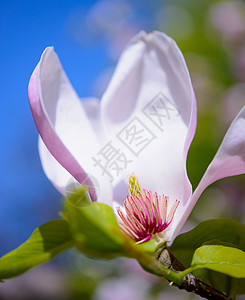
(190, 283)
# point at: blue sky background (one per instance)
(26, 28)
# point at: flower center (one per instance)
(145, 213)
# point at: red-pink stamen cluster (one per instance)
(145, 215)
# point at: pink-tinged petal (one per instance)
(228, 161)
(53, 170)
(62, 121)
(152, 78)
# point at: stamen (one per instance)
(145, 213)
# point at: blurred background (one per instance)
(89, 37)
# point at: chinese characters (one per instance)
(133, 138)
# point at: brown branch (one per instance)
(190, 283)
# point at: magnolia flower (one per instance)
(144, 124)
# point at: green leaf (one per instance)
(224, 230)
(150, 247)
(226, 260)
(222, 282)
(80, 196)
(45, 242)
(216, 232)
(95, 230)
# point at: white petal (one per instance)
(92, 109)
(53, 170)
(228, 161)
(152, 74)
(62, 121)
